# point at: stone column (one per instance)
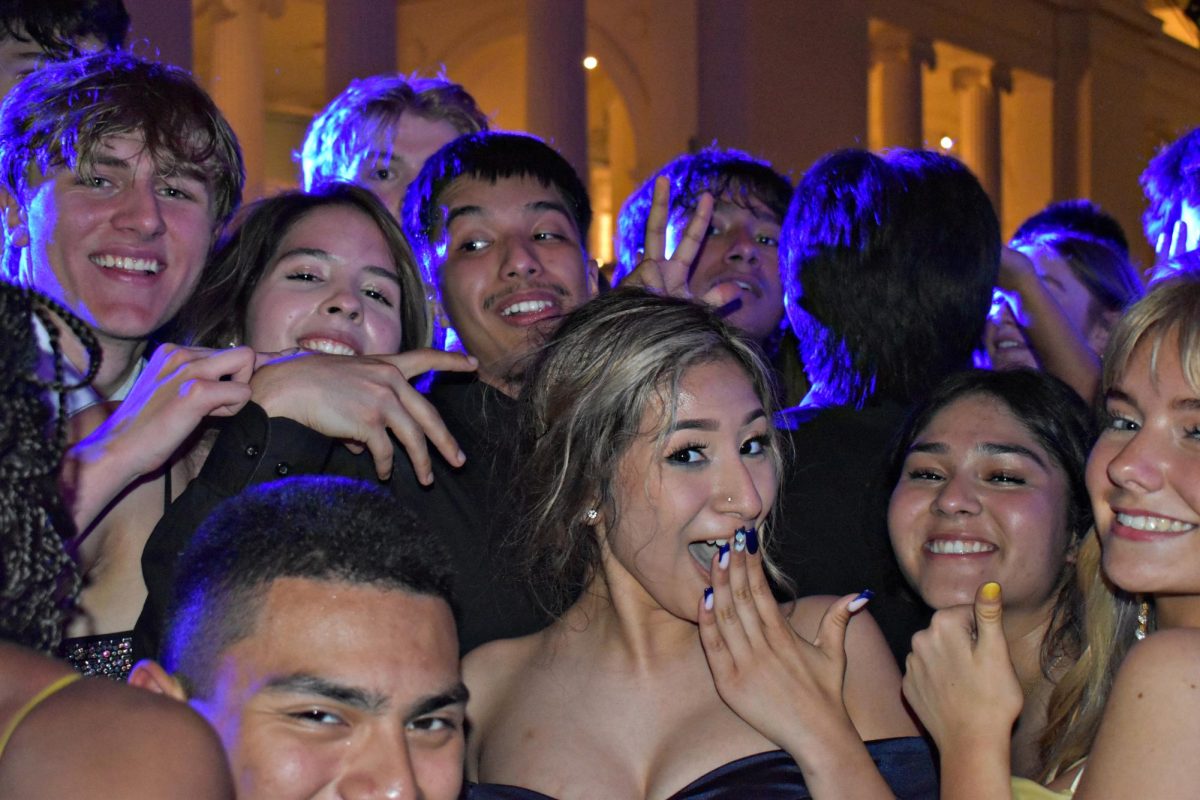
(979, 109)
(237, 79)
(360, 40)
(556, 88)
(898, 56)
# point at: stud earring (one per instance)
(591, 514)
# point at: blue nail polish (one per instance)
(865, 594)
(752, 541)
(723, 555)
(708, 598)
(739, 540)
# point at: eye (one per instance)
(1009, 478)
(767, 240)
(473, 245)
(303, 275)
(688, 454)
(756, 445)
(382, 174)
(1116, 422)
(317, 716)
(95, 181)
(548, 236)
(923, 474)
(378, 296)
(175, 193)
(433, 724)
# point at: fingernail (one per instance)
(990, 591)
(723, 556)
(708, 599)
(863, 598)
(752, 541)
(460, 458)
(739, 540)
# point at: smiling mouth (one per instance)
(327, 346)
(527, 307)
(957, 547)
(1153, 524)
(145, 266)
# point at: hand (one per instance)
(959, 678)
(766, 672)
(1174, 243)
(178, 388)
(1016, 270)
(656, 272)
(360, 399)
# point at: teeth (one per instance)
(744, 286)
(526, 307)
(958, 547)
(1155, 524)
(149, 265)
(327, 346)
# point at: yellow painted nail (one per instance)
(991, 591)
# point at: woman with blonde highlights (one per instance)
(650, 478)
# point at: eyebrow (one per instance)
(379, 155)
(176, 170)
(455, 696)
(987, 448)
(478, 211)
(352, 696)
(711, 424)
(316, 252)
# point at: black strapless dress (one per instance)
(906, 764)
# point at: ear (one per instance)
(593, 277)
(1102, 325)
(150, 675)
(16, 224)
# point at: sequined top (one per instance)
(109, 655)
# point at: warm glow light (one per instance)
(946, 143)
(590, 62)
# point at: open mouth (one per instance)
(1152, 524)
(704, 552)
(330, 346)
(144, 266)
(527, 307)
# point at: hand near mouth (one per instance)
(787, 688)
(656, 272)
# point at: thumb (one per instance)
(988, 612)
(831, 632)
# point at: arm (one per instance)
(961, 683)
(1151, 723)
(787, 688)
(1061, 349)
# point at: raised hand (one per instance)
(960, 680)
(178, 388)
(656, 272)
(766, 672)
(360, 399)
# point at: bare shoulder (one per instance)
(489, 671)
(1153, 707)
(164, 749)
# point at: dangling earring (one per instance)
(1143, 619)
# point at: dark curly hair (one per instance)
(38, 578)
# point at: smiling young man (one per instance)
(498, 222)
(312, 626)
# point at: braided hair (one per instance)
(38, 578)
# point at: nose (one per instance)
(956, 496)
(745, 248)
(138, 211)
(1138, 464)
(380, 768)
(344, 300)
(519, 260)
(737, 494)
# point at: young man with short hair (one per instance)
(33, 32)
(380, 130)
(313, 627)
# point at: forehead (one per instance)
(515, 195)
(410, 130)
(389, 641)
(978, 418)
(719, 390)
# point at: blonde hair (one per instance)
(1169, 312)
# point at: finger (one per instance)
(720, 660)
(655, 247)
(1180, 239)
(265, 359)
(989, 613)
(383, 453)
(775, 627)
(739, 585)
(431, 425)
(646, 274)
(232, 398)
(724, 607)
(417, 362)
(831, 632)
(236, 363)
(693, 235)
